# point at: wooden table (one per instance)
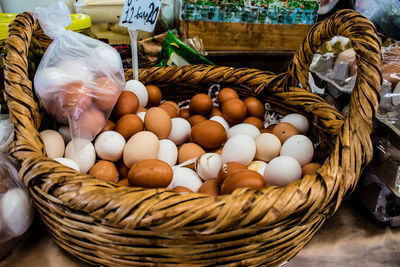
(350, 238)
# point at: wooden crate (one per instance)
(228, 36)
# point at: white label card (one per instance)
(140, 14)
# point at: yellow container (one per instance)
(80, 23)
(5, 20)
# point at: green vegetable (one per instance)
(175, 53)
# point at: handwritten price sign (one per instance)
(140, 14)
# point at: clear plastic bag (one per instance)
(385, 14)
(79, 78)
(379, 187)
(16, 211)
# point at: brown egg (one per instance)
(225, 94)
(124, 182)
(74, 99)
(268, 129)
(200, 104)
(310, 168)
(215, 112)
(155, 96)
(254, 121)
(150, 173)
(122, 169)
(173, 104)
(128, 125)
(170, 109)
(228, 169)
(105, 170)
(209, 187)
(243, 178)
(141, 109)
(217, 151)
(182, 190)
(158, 122)
(106, 94)
(255, 107)
(91, 122)
(184, 113)
(127, 103)
(76, 96)
(196, 119)
(234, 110)
(141, 145)
(54, 109)
(188, 151)
(209, 134)
(284, 130)
(108, 127)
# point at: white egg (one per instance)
(297, 120)
(51, 78)
(139, 90)
(109, 145)
(268, 146)
(185, 177)
(208, 165)
(240, 148)
(258, 166)
(84, 157)
(65, 133)
(299, 147)
(180, 131)
(222, 121)
(53, 143)
(142, 115)
(68, 162)
(111, 57)
(168, 152)
(76, 69)
(16, 211)
(243, 128)
(282, 171)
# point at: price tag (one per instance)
(140, 14)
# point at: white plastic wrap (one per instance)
(79, 78)
(338, 66)
(16, 212)
(6, 133)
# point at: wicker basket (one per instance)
(106, 224)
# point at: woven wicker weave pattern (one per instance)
(106, 224)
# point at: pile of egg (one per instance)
(211, 148)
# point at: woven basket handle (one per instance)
(21, 101)
(346, 23)
(353, 148)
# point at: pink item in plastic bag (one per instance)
(79, 78)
